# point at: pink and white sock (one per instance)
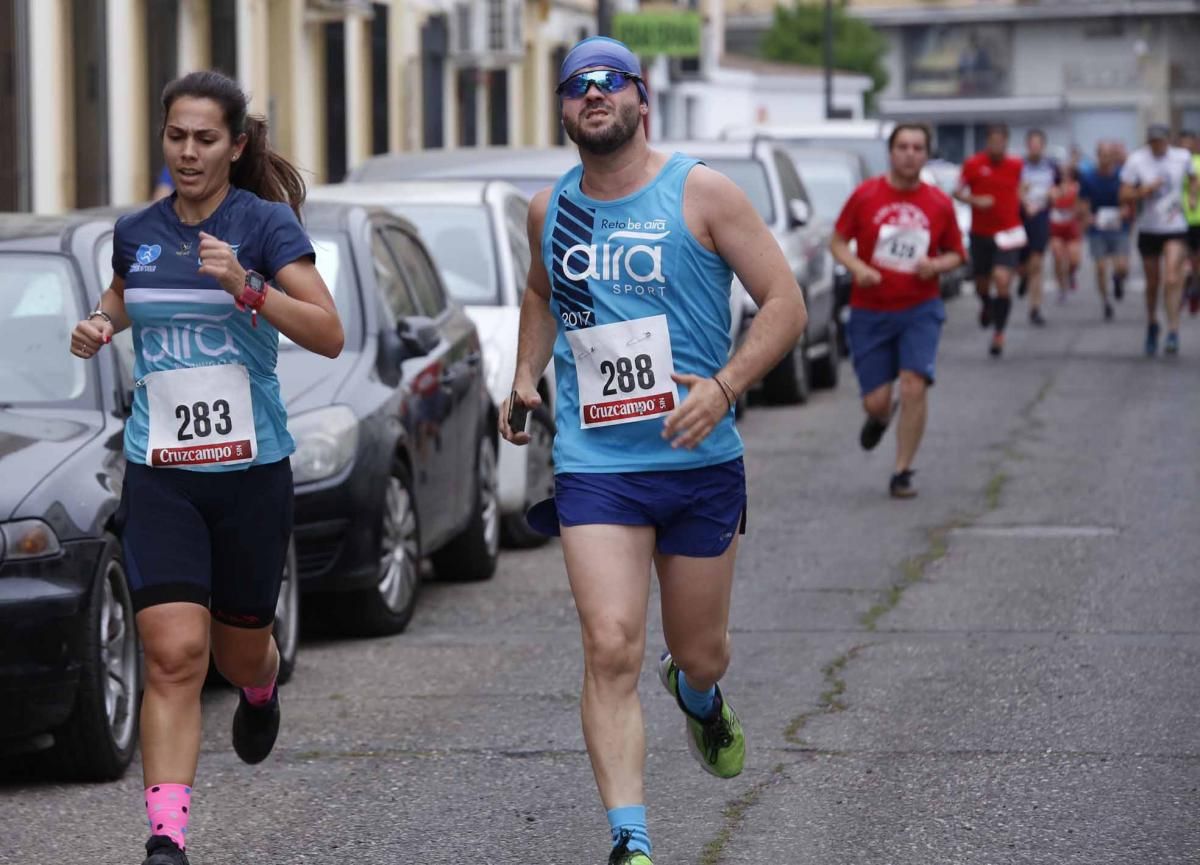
(256, 696)
(168, 807)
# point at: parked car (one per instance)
(70, 673)
(767, 175)
(476, 232)
(831, 176)
(395, 439)
(529, 169)
(867, 138)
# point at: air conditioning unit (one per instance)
(488, 33)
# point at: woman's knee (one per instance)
(176, 659)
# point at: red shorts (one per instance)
(1066, 230)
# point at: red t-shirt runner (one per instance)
(1002, 181)
(894, 229)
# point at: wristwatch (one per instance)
(254, 294)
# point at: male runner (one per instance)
(1040, 177)
(633, 254)
(1157, 177)
(991, 182)
(1107, 223)
(906, 235)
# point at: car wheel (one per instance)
(387, 607)
(98, 740)
(787, 383)
(287, 616)
(539, 480)
(825, 369)
(472, 554)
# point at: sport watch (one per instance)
(254, 294)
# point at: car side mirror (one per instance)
(418, 336)
(799, 212)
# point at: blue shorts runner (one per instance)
(219, 539)
(883, 343)
(695, 512)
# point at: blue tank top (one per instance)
(184, 319)
(627, 259)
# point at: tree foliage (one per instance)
(797, 35)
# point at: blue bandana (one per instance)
(604, 53)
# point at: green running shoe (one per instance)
(717, 743)
(622, 855)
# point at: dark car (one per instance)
(396, 441)
(69, 667)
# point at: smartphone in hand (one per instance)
(518, 414)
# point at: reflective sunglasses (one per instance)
(606, 81)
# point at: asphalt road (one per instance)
(1002, 670)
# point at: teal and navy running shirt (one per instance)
(182, 318)
(633, 258)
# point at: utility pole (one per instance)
(604, 17)
(828, 58)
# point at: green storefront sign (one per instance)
(674, 34)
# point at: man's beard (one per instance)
(612, 137)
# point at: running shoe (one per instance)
(717, 743)
(985, 312)
(997, 347)
(1108, 312)
(873, 428)
(255, 728)
(161, 850)
(622, 855)
(902, 486)
(1171, 346)
(1035, 317)
(1152, 339)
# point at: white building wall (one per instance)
(52, 159)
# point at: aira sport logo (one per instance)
(145, 256)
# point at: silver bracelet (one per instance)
(99, 312)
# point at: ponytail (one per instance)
(259, 169)
(263, 171)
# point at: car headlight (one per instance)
(27, 539)
(326, 441)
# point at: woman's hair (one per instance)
(259, 169)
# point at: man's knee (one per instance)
(912, 387)
(612, 652)
(878, 402)
(703, 658)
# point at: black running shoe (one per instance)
(997, 347)
(1035, 317)
(161, 850)
(255, 728)
(985, 313)
(1108, 312)
(902, 486)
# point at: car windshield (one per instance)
(751, 177)
(459, 237)
(333, 263)
(39, 307)
(873, 150)
(829, 182)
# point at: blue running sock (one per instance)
(631, 819)
(700, 703)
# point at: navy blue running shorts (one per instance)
(883, 343)
(695, 512)
(219, 539)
